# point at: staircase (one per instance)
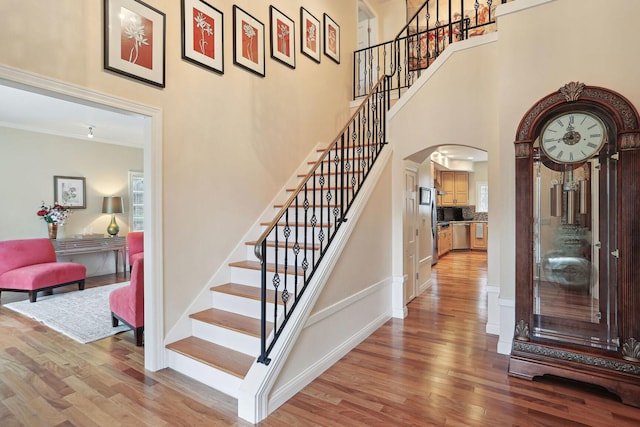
(225, 339)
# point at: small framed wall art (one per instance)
(70, 192)
(309, 35)
(283, 46)
(202, 35)
(248, 42)
(331, 39)
(134, 40)
(425, 196)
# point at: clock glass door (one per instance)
(574, 270)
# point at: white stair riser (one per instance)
(311, 232)
(281, 252)
(245, 306)
(226, 337)
(245, 276)
(214, 378)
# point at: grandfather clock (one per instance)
(578, 240)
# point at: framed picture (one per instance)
(283, 46)
(425, 196)
(70, 191)
(202, 30)
(248, 41)
(134, 40)
(331, 39)
(309, 35)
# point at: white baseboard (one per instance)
(493, 310)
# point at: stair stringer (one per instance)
(202, 301)
(254, 392)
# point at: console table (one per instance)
(66, 247)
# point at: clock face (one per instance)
(572, 137)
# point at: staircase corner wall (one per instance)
(349, 297)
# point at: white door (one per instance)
(410, 231)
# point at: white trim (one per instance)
(154, 302)
(493, 310)
(507, 325)
(398, 307)
(341, 305)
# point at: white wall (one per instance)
(28, 163)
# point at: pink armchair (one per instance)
(127, 303)
(135, 241)
(30, 265)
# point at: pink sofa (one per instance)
(30, 265)
(127, 303)
(135, 242)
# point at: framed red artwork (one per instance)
(309, 35)
(331, 38)
(134, 40)
(283, 41)
(202, 35)
(248, 42)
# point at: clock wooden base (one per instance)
(530, 360)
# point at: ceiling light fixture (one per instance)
(90, 134)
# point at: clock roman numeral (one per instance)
(592, 126)
(570, 156)
(560, 154)
(591, 144)
(553, 147)
(560, 122)
(593, 135)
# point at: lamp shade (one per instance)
(112, 205)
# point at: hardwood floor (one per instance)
(436, 367)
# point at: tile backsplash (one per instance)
(469, 212)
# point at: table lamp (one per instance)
(112, 205)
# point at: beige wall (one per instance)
(28, 163)
(229, 141)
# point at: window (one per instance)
(136, 201)
(482, 197)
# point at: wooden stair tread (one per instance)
(332, 188)
(297, 224)
(351, 172)
(246, 291)
(317, 205)
(281, 244)
(227, 360)
(255, 265)
(235, 322)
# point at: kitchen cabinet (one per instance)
(445, 240)
(456, 186)
(479, 237)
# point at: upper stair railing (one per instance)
(308, 222)
(434, 26)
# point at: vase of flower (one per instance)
(53, 230)
(54, 216)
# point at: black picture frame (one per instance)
(135, 45)
(203, 35)
(246, 27)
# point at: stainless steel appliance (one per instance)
(461, 235)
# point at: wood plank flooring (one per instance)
(436, 367)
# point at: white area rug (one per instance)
(81, 315)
